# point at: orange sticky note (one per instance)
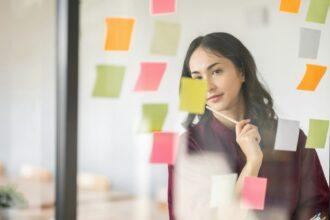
(150, 76)
(254, 192)
(312, 77)
(162, 6)
(119, 33)
(291, 6)
(164, 147)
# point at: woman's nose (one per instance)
(210, 85)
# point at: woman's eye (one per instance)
(217, 71)
(197, 77)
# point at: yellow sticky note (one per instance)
(193, 95)
(109, 81)
(317, 11)
(153, 117)
(119, 33)
(312, 77)
(317, 133)
(291, 6)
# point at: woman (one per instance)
(295, 180)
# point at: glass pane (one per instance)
(27, 109)
(131, 63)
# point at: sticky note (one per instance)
(312, 77)
(222, 189)
(119, 33)
(317, 133)
(193, 95)
(254, 192)
(150, 76)
(317, 11)
(162, 6)
(291, 6)
(109, 81)
(164, 147)
(153, 117)
(309, 43)
(166, 37)
(287, 135)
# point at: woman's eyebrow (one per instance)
(212, 65)
(208, 68)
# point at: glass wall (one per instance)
(137, 159)
(130, 64)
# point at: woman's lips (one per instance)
(215, 98)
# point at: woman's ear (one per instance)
(242, 76)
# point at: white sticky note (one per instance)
(222, 189)
(287, 135)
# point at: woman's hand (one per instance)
(248, 138)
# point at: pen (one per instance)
(222, 115)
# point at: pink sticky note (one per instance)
(150, 76)
(164, 147)
(162, 6)
(254, 192)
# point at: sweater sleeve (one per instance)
(313, 187)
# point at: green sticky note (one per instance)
(317, 133)
(317, 11)
(153, 117)
(109, 81)
(193, 95)
(166, 38)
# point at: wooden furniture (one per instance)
(40, 174)
(42, 194)
(38, 194)
(136, 209)
(93, 182)
(92, 205)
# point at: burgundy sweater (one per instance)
(295, 180)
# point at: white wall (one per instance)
(27, 83)
(108, 143)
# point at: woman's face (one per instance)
(224, 80)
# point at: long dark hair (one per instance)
(259, 103)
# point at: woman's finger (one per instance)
(239, 126)
(259, 137)
(246, 128)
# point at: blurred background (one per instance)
(113, 157)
